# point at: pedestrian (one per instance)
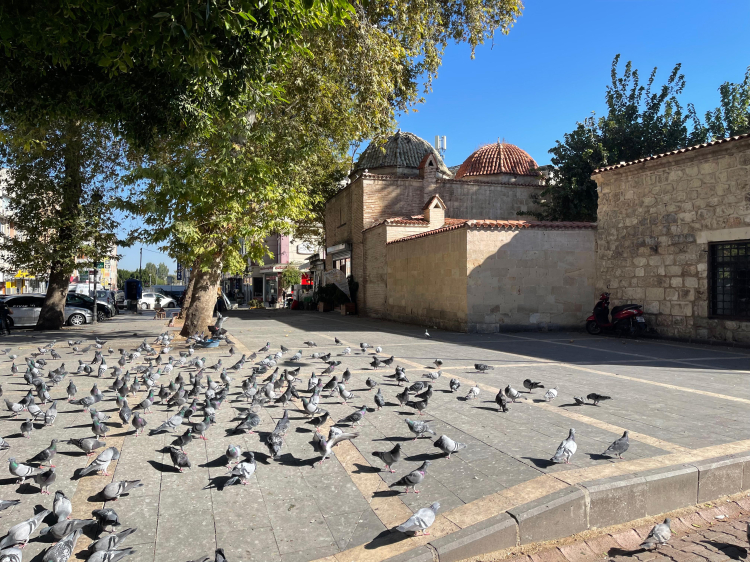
(5, 313)
(283, 296)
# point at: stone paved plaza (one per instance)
(680, 402)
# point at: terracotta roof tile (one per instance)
(500, 225)
(680, 151)
(498, 158)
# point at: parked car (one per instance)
(105, 296)
(149, 301)
(84, 301)
(26, 309)
(178, 296)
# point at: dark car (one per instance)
(85, 301)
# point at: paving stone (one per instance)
(628, 540)
(577, 552)
(548, 555)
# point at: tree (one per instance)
(150, 273)
(732, 117)
(640, 121)
(289, 277)
(162, 271)
(272, 171)
(60, 214)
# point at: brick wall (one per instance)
(427, 280)
(529, 279)
(656, 221)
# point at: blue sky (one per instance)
(532, 86)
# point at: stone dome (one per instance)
(496, 159)
(399, 151)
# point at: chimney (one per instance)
(428, 172)
(434, 212)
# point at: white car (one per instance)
(148, 301)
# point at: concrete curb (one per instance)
(592, 505)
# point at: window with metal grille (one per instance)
(730, 279)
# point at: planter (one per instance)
(348, 308)
(325, 307)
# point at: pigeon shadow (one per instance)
(487, 408)
(16, 435)
(386, 493)
(540, 463)
(395, 439)
(539, 400)
(263, 458)
(303, 430)
(598, 457)
(217, 462)
(27, 489)
(617, 551)
(402, 413)
(462, 399)
(385, 538)
(567, 405)
(161, 467)
(365, 469)
(425, 457)
(732, 551)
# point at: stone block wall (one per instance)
(529, 279)
(427, 280)
(656, 220)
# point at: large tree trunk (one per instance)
(52, 315)
(189, 289)
(201, 311)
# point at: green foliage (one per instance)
(732, 117)
(58, 193)
(641, 120)
(289, 277)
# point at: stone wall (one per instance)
(427, 280)
(530, 279)
(656, 221)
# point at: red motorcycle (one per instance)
(627, 319)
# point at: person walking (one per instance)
(5, 313)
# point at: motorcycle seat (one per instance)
(622, 307)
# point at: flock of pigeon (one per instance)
(197, 397)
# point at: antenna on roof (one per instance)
(441, 145)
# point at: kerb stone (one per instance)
(556, 515)
(721, 476)
(490, 535)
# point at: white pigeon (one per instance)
(427, 334)
(551, 394)
(566, 449)
(378, 349)
(347, 351)
(420, 521)
(473, 393)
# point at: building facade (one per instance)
(454, 250)
(674, 234)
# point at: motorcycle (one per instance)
(627, 319)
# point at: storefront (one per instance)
(341, 257)
(271, 281)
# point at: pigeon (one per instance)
(5, 504)
(551, 394)
(371, 383)
(530, 385)
(473, 392)
(660, 534)
(45, 479)
(596, 398)
(418, 428)
(501, 401)
(448, 445)
(61, 506)
(109, 542)
(483, 368)
(413, 479)
(66, 526)
(23, 471)
(566, 449)
(15, 408)
(51, 414)
(26, 428)
(338, 341)
(106, 517)
(420, 521)
(242, 471)
(101, 462)
(579, 400)
(438, 363)
(139, 423)
(251, 421)
(172, 423)
(427, 334)
(403, 397)
(389, 458)
(88, 445)
(180, 459)
(379, 400)
(233, 454)
(114, 490)
(319, 420)
(454, 385)
(512, 393)
(324, 446)
(355, 418)
(20, 534)
(433, 375)
(62, 550)
(618, 447)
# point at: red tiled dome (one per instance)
(498, 158)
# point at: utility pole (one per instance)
(96, 306)
(140, 263)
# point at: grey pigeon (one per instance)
(530, 385)
(596, 398)
(325, 446)
(420, 521)
(65, 527)
(660, 534)
(110, 542)
(512, 393)
(448, 445)
(23, 471)
(566, 449)
(483, 368)
(179, 458)
(418, 428)
(454, 385)
(473, 392)
(580, 400)
(389, 458)
(5, 504)
(11, 555)
(172, 423)
(618, 447)
(501, 401)
(63, 550)
(413, 479)
(61, 506)
(242, 471)
(20, 534)
(88, 444)
(45, 479)
(101, 462)
(106, 517)
(51, 414)
(114, 490)
(355, 418)
(379, 400)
